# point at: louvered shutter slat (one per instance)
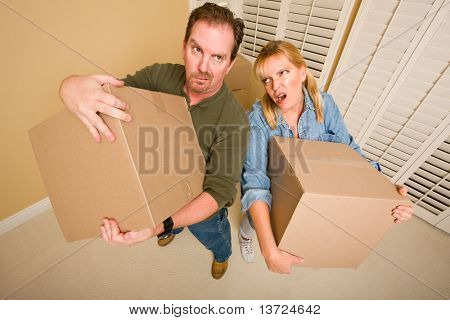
(433, 175)
(378, 17)
(423, 181)
(445, 186)
(413, 193)
(413, 143)
(325, 13)
(382, 138)
(316, 49)
(300, 9)
(386, 5)
(421, 188)
(369, 148)
(389, 164)
(445, 147)
(375, 144)
(405, 148)
(430, 172)
(438, 197)
(261, 21)
(330, 4)
(311, 56)
(396, 150)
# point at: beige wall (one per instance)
(44, 41)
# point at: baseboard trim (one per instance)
(24, 215)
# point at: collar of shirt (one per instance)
(218, 95)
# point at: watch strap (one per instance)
(168, 226)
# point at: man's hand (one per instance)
(84, 96)
(111, 233)
(280, 261)
(402, 213)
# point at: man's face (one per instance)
(207, 57)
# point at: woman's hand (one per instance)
(402, 213)
(280, 261)
(112, 234)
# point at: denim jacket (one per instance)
(255, 183)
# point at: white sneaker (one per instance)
(246, 246)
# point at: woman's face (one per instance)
(283, 82)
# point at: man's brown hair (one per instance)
(217, 15)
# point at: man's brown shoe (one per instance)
(218, 269)
(166, 241)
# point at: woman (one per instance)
(291, 107)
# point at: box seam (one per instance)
(134, 166)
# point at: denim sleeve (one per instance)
(255, 183)
(336, 126)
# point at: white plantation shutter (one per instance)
(261, 21)
(311, 26)
(314, 26)
(375, 55)
(393, 87)
(418, 112)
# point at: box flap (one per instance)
(285, 189)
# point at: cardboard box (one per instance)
(239, 75)
(330, 206)
(243, 96)
(154, 167)
(238, 80)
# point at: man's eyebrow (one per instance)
(195, 43)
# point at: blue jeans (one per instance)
(214, 233)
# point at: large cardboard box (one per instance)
(154, 167)
(330, 206)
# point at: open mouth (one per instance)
(280, 97)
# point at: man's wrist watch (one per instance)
(168, 226)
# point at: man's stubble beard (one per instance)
(194, 87)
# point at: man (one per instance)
(210, 46)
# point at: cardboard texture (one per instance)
(154, 167)
(329, 205)
(243, 96)
(238, 80)
(239, 75)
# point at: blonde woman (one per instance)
(291, 107)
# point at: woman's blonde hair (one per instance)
(294, 56)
